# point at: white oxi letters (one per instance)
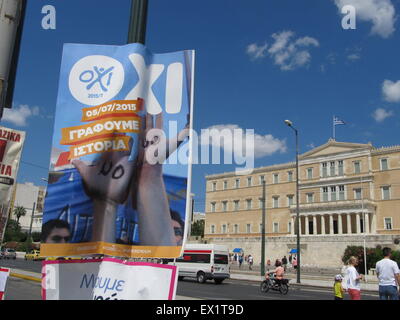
(148, 75)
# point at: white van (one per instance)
(204, 262)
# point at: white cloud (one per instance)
(264, 145)
(20, 115)
(391, 91)
(381, 114)
(286, 52)
(290, 54)
(255, 51)
(353, 57)
(381, 13)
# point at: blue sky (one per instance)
(258, 63)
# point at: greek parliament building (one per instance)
(348, 192)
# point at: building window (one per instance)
(260, 203)
(249, 181)
(276, 227)
(357, 194)
(340, 168)
(324, 169)
(385, 193)
(310, 197)
(333, 193)
(225, 185)
(357, 167)
(290, 200)
(236, 228)
(332, 169)
(341, 193)
(249, 203)
(224, 228)
(237, 183)
(388, 224)
(384, 164)
(236, 203)
(309, 173)
(262, 178)
(213, 205)
(212, 228)
(248, 228)
(275, 202)
(325, 194)
(290, 176)
(276, 178)
(214, 186)
(225, 206)
(289, 227)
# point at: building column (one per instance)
(373, 222)
(293, 226)
(348, 223)
(314, 223)
(367, 230)
(323, 229)
(307, 225)
(331, 231)
(300, 225)
(358, 222)
(340, 225)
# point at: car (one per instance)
(8, 253)
(33, 255)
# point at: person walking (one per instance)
(294, 264)
(250, 261)
(284, 262)
(338, 288)
(388, 274)
(353, 279)
(240, 260)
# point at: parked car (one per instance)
(33, 255)
(8, 253)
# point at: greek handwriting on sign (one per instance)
(117, 173)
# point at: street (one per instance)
(19, 289)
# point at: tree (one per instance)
(13, 232)
(19, 212)
(198, 228)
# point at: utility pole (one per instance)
(29, 240)
(263, 231)
(138, 21)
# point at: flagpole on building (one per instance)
(333, 124)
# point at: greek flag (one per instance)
(337, 121)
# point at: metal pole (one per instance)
(30, 227)
(138, 21)
(297, 207)
(364, 229)
(263, 232)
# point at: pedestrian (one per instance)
(294, 263)
(250, 261)
(388, 274)
(290, 259)
(278, 263)
(240, 260)
(338, 288)
(284, 262)
(268, 264)
(353, 280)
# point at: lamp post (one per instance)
(138, 21)
(290, 124)
(263, 231)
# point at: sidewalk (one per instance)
(315, 277)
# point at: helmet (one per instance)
(338, 277)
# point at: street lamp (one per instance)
(290, 124)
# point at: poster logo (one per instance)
(96, 79)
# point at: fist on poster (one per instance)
(111, 188)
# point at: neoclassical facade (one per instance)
(349, 193)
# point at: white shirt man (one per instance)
(388, 274)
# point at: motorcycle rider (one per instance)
(277, 275)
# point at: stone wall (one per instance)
(316, 251)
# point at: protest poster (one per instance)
(107, 279)
(11, 144)
(119, 177)
(4, 273)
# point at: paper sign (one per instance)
(4, 273)
(108, 279)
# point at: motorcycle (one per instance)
(282, 286)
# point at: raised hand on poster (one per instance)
(155, 225)
(107, 183)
